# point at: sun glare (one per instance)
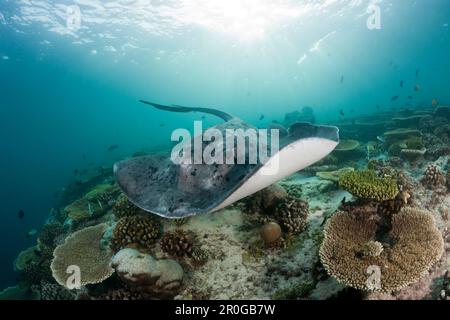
(248, 20)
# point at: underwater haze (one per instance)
(72, 73)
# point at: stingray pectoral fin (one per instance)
(176, 108)
(316, 143)
(302, 130)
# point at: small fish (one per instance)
(341, 113)
(21, 214)
(162, 125)
(417, 88)
(31, 233)
(417, 73)
(342, 79)
(395, 98)
(113, 147)
(401, 84)
(381, 139)
(434, 102)
(344, 200)
(261, 117)
(203, 117)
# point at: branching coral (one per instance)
(177, 243)
(367, 185)
(124, 208)
(433, 177)
(417, 244)
(49, 232)
(52, 291)
(292, 214)
(265, 200)
(138, 230)
(104, 195)
(84, 250)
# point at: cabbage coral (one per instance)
(350, 249)
(85, 250)
(366, 184)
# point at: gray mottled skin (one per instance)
(157, 185)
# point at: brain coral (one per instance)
(416, 247)
(367, 185)
(83, 249)
(139, 230)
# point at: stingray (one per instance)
(160, 186)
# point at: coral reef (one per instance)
(140, 231)
(52, 291)
(270, 233)
(333, 176)
(124, 208)
(416, 246)
(367, 185)
(26, 257)
(292, 215)
(433, 177)
(49, 233)
(84, 249)
(177, 243)
(145, 274)
(264, 201)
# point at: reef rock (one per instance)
(155, 278)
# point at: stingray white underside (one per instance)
(292, 158)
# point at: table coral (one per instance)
(83, 249)
(417, 245)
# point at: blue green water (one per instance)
(66, 95)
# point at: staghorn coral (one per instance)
(177, 243)
(292, 214)
(124, 208)
(433, 177)
(366, 185)
(417, 244)
(83, 249)
(138, 230)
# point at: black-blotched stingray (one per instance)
(158, 185)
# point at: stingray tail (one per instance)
(175, 108)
